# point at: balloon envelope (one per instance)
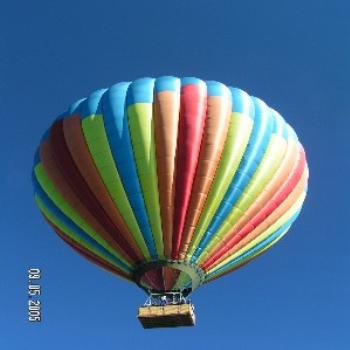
(170, 183)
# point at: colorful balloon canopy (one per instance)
(169, 182)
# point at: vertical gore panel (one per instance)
(274, 202)
(278, 217)
(280, 186)
(117, 130)
(50, 198)
(166, 115)
(193, 110)
(58, 177)
(141, 126)
(82, 158)
(263, 174)
(259, 139)
(239, 131)
(214, 136)
(65, 161)
(93, 244)
(142, 135)
(246, 258)
(262, 240)
(96, 140)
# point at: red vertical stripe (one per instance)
(191, 125)
(269, 207)
(80, 153)
(82, 190)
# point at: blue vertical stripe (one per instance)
(117, 130)
(256, 248)
(264, 126)
(50, 206)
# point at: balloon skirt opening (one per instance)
(167, 316)
(163, 276)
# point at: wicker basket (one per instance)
(166, 316)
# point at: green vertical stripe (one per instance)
(97, 141)
(239, 131)
(142, 137)
(272, 159)
(52, 218)
(245, 260)
(55, 196)
(270, 230)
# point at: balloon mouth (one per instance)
(168, 276)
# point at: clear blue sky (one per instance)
(293, 54)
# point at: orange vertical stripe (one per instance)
(216, 127)
(80, 153)
(166, 117)
(67, 192)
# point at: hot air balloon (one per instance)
(170, 183)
